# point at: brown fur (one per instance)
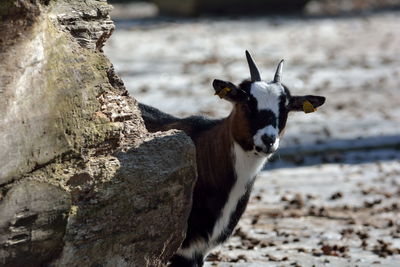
(213, 146)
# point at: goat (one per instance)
(229, 152)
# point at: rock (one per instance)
(89, 24)
(50, 91)
(82, 182)
(33, 219)
(122, 224)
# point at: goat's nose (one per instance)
(268, 140)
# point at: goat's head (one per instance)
(261, 108)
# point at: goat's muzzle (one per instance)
(269, 144)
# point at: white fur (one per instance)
(268, 97)
(247, 165)
(270, 131)
(199, 246)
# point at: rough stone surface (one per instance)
(142, 219)
(32, 223)
(82, 183)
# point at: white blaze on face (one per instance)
(270, 131)
(268, 98)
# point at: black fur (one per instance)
(153, 114)
(260, 119)
(179, 261)
(206, 211)
(240, 208)
(156, 120)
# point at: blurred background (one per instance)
(331, 194)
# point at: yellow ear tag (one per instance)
(223, 92)
(308, 107)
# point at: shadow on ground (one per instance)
(349, 151)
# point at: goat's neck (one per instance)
(214, 155)
(246, 161)
(220, 150)
(225, 137)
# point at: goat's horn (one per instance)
(255, 74)
(278, 73)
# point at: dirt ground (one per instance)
(331, 195)
(326, 215)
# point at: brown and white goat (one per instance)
(230, 152)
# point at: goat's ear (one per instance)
(307, 103)
(229, 91)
